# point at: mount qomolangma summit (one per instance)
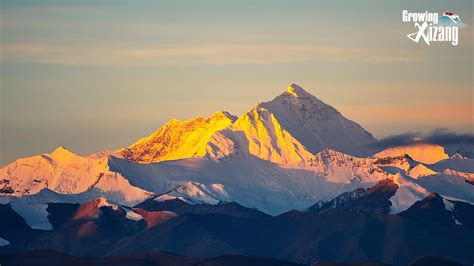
(315, 124)
(294, 152)
(288, 129)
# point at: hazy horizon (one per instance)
(97, 76)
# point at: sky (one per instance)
(97, 75)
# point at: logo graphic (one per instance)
(434, 28)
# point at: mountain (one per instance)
(67, 173)
(375, 199)
(90, 230)
(408, 192)
(14, 230)
(393, 164)
(339, 167)
(420, 170)
(203, 180)
(319, 234)
(52, 258)
(279, 181)
(244, 180)
(205, 159)
(324, 233)
(463, 167)
(258, 133)
(198, 180)
(181, 207)
(286, 130)
(314, 123)
(442, 211)
(177, 139)
(432, 226)
(458, 165)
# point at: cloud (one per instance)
(444, 137)
(395, 140)
(221, 54)
(441, 137)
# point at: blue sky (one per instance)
(94, 75)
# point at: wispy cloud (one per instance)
(195, 54)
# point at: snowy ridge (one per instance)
(195, 193)
(62, 169)
(408, 192)
(460, 165)
(420, 170)
(400, 162)
(258, 133)
(414, 189)
(67, 173)
(244, 180)
(177, 139)
(327, 175)
(337, 167)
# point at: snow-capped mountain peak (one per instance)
(60, 149)
(314, 123)
(61, 153)
(286, 130)
(67, 173)
(420, 170)
(223, 115)
(296, 91)
(298, 97)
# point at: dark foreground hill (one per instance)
(354, 227)
(52, 258)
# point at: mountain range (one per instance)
(285, 180)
